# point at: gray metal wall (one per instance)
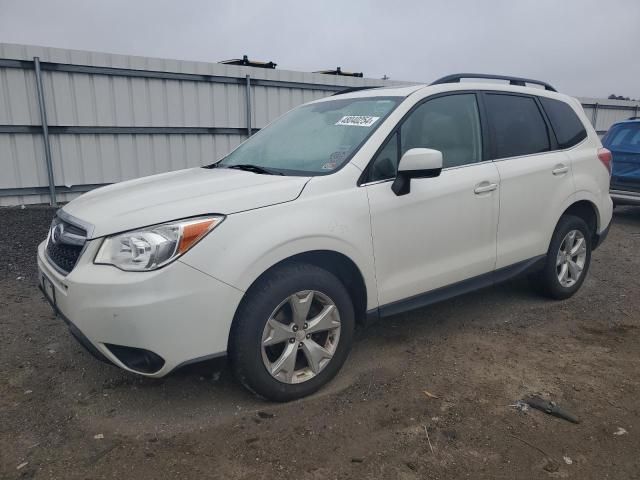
(603, 112)
(115, 117)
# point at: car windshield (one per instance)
(314, 139)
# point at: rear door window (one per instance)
(567, 126)
(516, 126)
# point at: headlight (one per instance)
(153, 247)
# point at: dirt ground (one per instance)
(64, 415)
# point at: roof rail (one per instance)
(633, 118)
(353, 89)
(521, 82)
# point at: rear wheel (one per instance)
(568, 259)
(292, 332)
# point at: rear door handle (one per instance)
(485, 187)
(560, 170)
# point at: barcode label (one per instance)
(357, 120)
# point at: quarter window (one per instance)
(516, 126)
(567, 126)
(385, 163)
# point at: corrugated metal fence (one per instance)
(604, 113)
(107, 118)
(112, 117)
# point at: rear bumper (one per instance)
(600, 237)
(623, 197)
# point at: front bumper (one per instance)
(177, 312)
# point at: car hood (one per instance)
(184, 193)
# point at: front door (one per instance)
(444, 230)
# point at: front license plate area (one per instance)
(48, 290)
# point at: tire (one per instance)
(272, 300)
(547, 281)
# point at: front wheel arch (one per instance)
(339, 265)
(334, 262)
(246, 354)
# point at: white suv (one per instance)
(363, 204)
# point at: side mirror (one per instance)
(416, 163)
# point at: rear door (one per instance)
(624, 142)
(535, 177)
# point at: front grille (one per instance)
(65, 244)
(63, 256)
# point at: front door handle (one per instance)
(560, 170)
(485, 187)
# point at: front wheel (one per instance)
(568, 259)
(292, 332)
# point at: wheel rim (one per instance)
(571, 258)
(301, 336)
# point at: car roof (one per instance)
(390, 91)
(628, 120)
(407, 90)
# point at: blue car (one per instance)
(623, 140)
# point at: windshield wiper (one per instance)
(255, 169)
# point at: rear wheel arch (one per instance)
(568, 255)
(587, 211)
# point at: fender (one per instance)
(249, 243)
(578, 196)
(581, 195)
(298, 246)
(593, 200)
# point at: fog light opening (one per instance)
(137, 359)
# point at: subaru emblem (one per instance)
(56, 233)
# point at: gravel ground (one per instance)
(65, 415)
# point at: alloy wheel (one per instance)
(301, 336)
(571, 258)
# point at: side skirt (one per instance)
(460, 288)
(198, 360)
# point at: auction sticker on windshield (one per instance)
(357, 120)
